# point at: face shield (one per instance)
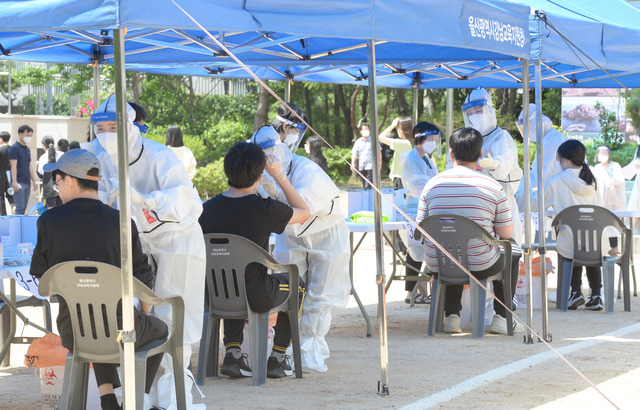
(104, 123)
(478, 112)
(269, 140)
(533, 119)
(431, 142)
(295, 133)
(143, 128)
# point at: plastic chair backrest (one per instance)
(227, 258)
(587, 223)
(454, 232)
(92, 291)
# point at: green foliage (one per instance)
(609, 134)
(60, 104)
(633, 107)
(195, 144)
(35, 76)
(211, 180)
(338, 169)
(221, 136)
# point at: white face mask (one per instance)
(603, 158)
(109, 141)
(290, 138)
(429, 146)
(475, 120)
(27, 140)
(366, 133)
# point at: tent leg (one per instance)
(128, 337)
(415, 105)
(527, 198)
(287, 89)
(383, 384)
(96, 91)
(449, 124)
(541, 217)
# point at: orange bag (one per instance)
(46, 351)
(535, 266)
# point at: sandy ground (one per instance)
(445, 371)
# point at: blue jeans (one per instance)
(21, 198)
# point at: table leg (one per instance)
(353, 289)
(12, 322)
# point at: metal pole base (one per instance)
(383, 389)
(528, 340)
(549, 339)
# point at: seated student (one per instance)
(464, 191)
(240, 211)
(86, 229)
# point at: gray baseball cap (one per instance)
(77, 163)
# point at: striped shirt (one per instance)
(462, 191)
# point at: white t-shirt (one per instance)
(185, 156)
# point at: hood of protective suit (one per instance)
(269, 139)
(575, 184)
(108, 140)
(547, 125)
(485, 122)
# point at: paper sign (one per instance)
(412, 242)
(25, 280)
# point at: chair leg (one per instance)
(559, 281)
(434, 310)
(477, 296)
(258, 334)
(203, 351)
(567, 266)
(141, 372)
(214, 349)
(74, 393)
(295, 335)
(624, 271)
(46, 314)
(608, 276)
(68, 383)
(177, 356)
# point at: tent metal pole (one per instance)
(527, 198)
(415, 105)
(449, 124)
(541, 207)
(128, 332)
(96, 91)
(287, 90)
(383, 384)
(10, 102)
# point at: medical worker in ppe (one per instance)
(320, 245)
(551, 140)
(165, 207)
(610, 180)
(499, 152)
(418, 167)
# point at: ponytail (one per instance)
(51, 152)
(587, 176)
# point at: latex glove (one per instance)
(273, 167)
(488, 162)
(146, 201)
(113, 191)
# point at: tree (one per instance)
(262, 111)
(4, 84)
(609, 127)
(633, 107)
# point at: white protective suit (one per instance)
(167, 219)
(611, 187)
(500, 146)
(562, 191)
(551, 140)
(415, 175)
(320, 249)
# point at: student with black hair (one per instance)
(313, 147)
(240, 211)
(174, 141)
(5, 169)
(51, 155)
(575, 185)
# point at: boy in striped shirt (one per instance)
(462, 190)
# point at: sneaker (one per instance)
(452, 324)
(594, 303)
(278, 370)
(575, 299)
(421, 299)
(499, 326)
(235, 368)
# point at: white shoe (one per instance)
(452, 324)
(499, 326)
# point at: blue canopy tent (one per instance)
(493, 34)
